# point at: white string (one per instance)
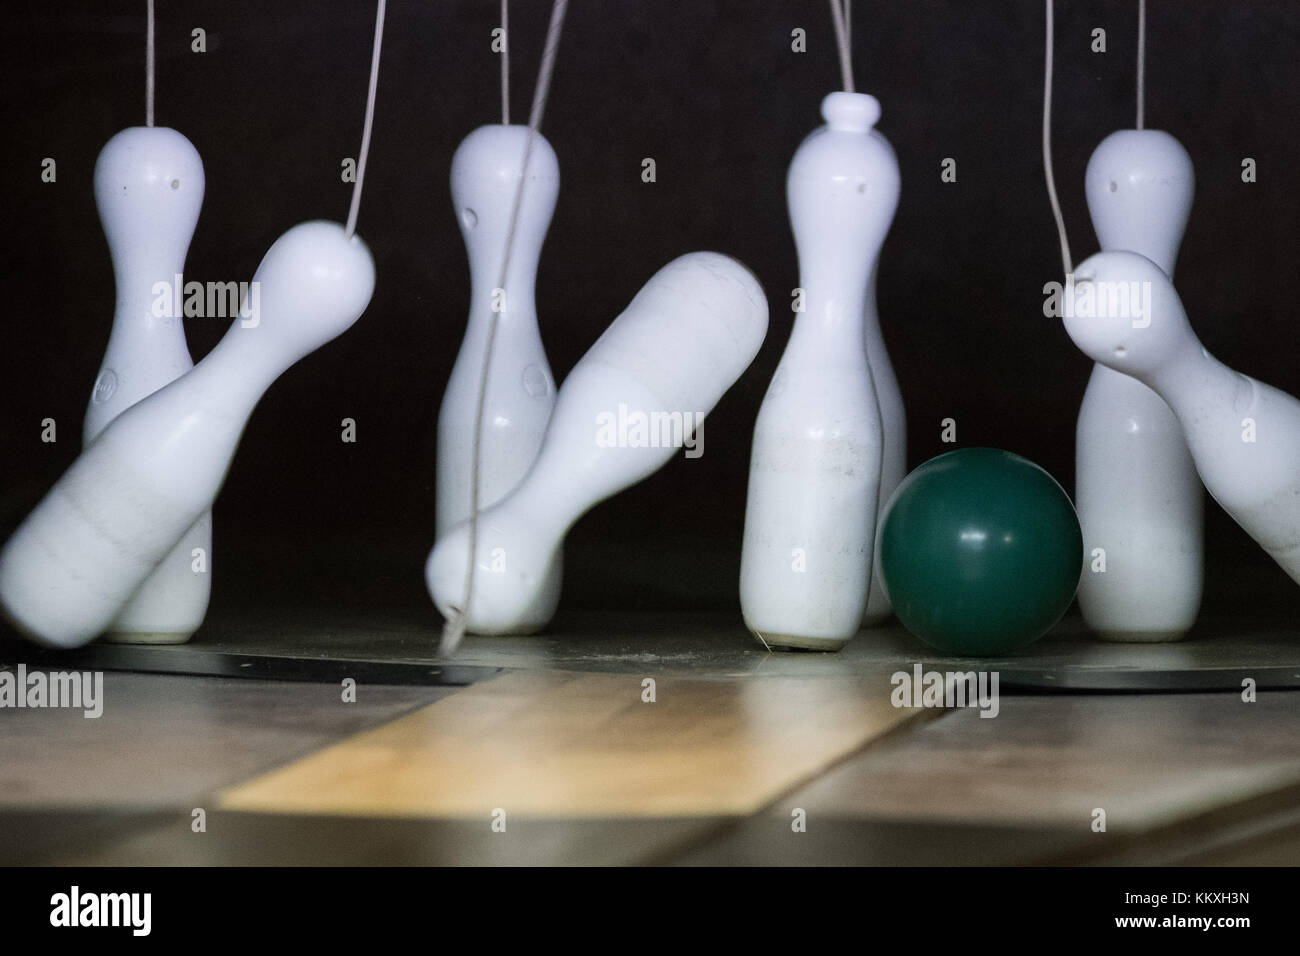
(839, 17)
(1047, 145)
(454, 630)
(370, 119)
(505, 62)
(544, 78)
(1142, 63)
(149, 68)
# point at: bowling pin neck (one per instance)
(149, 186)
(252, 356)
(146, 281)
(842, 191)
(834, 305)
(536, 506)
(232, 377)
(1124, 312)
(575, 469)
(1195, 375)
(513, 304)
(311, 286)
(486, 174)
(149, 314)
(486, 248)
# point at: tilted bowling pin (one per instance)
(815, 468)
(678, 346)
(1136, 489)
(148, 189)
(131, 495)
(1244, 436)
(485, 175)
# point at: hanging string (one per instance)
(370, 119)
(1047, 145)
(839, 15)
(149, 68)
(505, 62)
(454, 630)
(1142, 64)
(558, 11)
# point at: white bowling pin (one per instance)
(148, 189)
(815, 468)
(124, 503)
(1244, 436)
(678, 346)
(1136, 489)
(893, 423)
(485, 176)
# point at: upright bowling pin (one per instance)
(677, 347)
(893, 423)
(149, 188)
(1136, 489)
(485, 174)
(1244, 436)
(130, 496)
(815, 469)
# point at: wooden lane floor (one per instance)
(584, 769)
(1183, 778)
(573, 745)
(165, 741)
(585, 766)
(162, 745)
(1180, 778)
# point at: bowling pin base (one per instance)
(147, 637)
(1140, 637)
(521, 630)
(795, 642)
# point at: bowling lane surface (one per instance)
(554, 732)
(165, 741)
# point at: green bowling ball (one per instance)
(980, 552)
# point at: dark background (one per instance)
(711, 91)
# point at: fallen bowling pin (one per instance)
(681, 343)
(1138, 497)
(520, 391)
(123, 504)
(1244, 436)
(149, 187)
